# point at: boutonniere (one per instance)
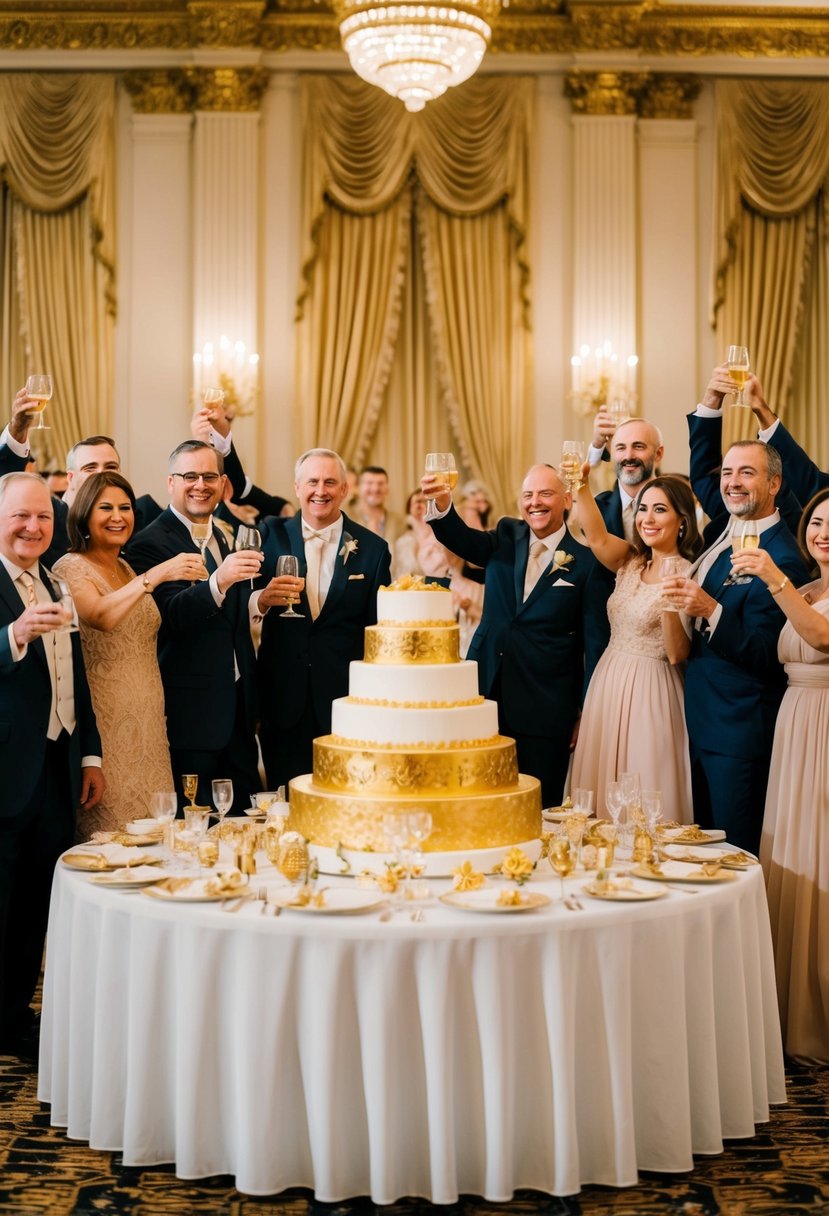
(561, 560)
(349, 546)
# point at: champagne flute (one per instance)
(738, 369)
(67, 604)
(615, 801)
(190, 785)
(39, 388)
(248, 538)
(746, 535)
(561, 859)
(213, 397)
(618, 411)
(652, 810)
(572, 459)
(670, 567)
(287, 564)
(442, 465)
(420, 829)
(163, 807)
(222, 789)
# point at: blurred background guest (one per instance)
(475, 504)
(417, 550)
(634, 718)
(119, 623)
(794, 847)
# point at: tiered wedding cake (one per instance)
(414, 734)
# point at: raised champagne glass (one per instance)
(213, 397)
(441, 465)
(39, 388)
(738, 369)
(248, 538)
(288, 565)
(570, 465)
(746, 535)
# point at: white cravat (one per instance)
(319, 562)
(538, 561)
(58, 648)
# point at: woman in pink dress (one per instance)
(633, 718)
(794, 847)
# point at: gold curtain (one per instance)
(58, 163)
(457, 177)
(770, 275)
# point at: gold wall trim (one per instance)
(235, 90)
(526, 27)
(604, 93)
(669, 95)
(160, 92)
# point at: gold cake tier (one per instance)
(358, 768)
(412, 644)
(470, 821)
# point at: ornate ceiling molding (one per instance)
(525, 27)
(235, 90)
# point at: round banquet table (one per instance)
(465, 1054)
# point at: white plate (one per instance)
(625, 894)
(674, 836)
(131, 880)
(697, 855)
(195, 893)
(679, 871)
(486, 900)
(340, 901)
(143, 827)
(557, 814)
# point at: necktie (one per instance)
(313, 561)
(57, 647)
(628, 524)
(28, 584)
(538, 560)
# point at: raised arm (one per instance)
(610, 550)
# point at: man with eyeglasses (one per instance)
(205, 651)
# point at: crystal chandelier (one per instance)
(416, 51)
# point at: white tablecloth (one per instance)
(464, 1054)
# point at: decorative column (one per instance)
(669, 257)
(226, 228)
(155, 358)
(604, 107)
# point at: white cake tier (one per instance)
(434, 684)
(407, 607)
(410, 727)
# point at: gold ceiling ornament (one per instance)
(159, 92)
(669, 95)
(415, 51)
(30, 28)
(613, 94)
(599, 26)
(223, 23)
(795, 33)
(231, 90)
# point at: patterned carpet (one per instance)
(783, 1170)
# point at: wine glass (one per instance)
(632, 796)
(288, 565)
(618, 411)
(442, 465)
(570, 465)
(200, 531)
(746, 535)
(67, 604)
(396, 839)
(190, 785)
(670, 567)
(213, 397)
(561, 859)
(222, 790)
(248, 538)
(652, 810)
(420, 829)
(738, 369)
(163, 807)
(615, 802)
(39, 388)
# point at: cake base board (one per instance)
(354, 862)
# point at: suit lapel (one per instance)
(522, 556)
(11, 597)
(293, 530)
(339, 578)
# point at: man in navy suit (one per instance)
(50, 750)
(303, 662)
(800, 473)
(543, 623)
(734, 683)
(205, 651)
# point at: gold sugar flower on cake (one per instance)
(465, 878)
(349, 546)
(413, 582)
(561, 560)
(517, 865)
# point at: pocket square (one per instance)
(562, 582)
(353, 576)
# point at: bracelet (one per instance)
(776, 590)
(148, 587)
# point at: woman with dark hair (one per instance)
(794, 847)
(634, 717)
(118, 624)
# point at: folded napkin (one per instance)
(135, 873)
(112, 854)
(226, 882)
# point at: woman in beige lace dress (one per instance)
(794, 847)
(118, 623)
(634, 716)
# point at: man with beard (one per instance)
(636, 449)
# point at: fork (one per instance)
(262, 894)
(572, 904)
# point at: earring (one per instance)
(681, 531)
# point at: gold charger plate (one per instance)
(691, 834)
(131, 840)
(97, 863)
(341, 901)
(685, 875)
(485, 901)
(625, 894)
